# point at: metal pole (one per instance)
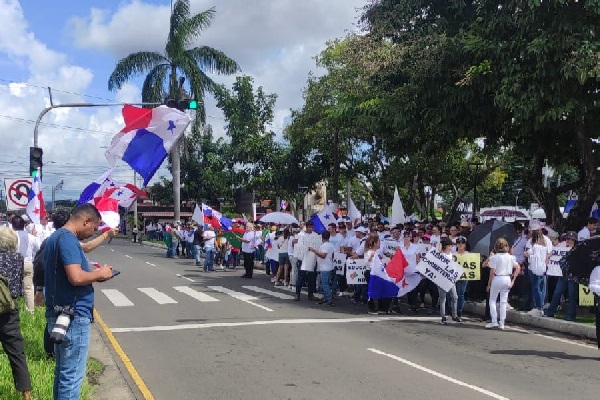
(53, 191)
(176, 172)
(135, 210)
(77, 105)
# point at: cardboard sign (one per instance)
(440, 270)
(471, 264)
(339, 261)
(586, 297)
(558, 252)
(309, 262)
(355, 271)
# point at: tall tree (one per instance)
(178, 60)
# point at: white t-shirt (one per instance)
(502, 263)
(250, 236)
(411, 256)
(27, 245)
(272, 253)
(209, 239)
(336, 240)
(325, 264)
(595, 280)
(584, 234)
(282, 245)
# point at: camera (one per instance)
(63, 320)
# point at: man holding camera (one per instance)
(70, 298)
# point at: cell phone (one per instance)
(115, 272)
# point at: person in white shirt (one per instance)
(307, 267)
(413, 257)
(446, 249)
(358, 244)
(209, 238)
(435, 238)
(589, 230)
(504, 269)
(282, 244)
(44, 229)
(325, 266)
(248, 247)
(271, 252)
(538, 254)
(27, 246)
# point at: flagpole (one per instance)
(135, 209)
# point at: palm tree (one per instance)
(165, 69)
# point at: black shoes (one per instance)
(297, 297)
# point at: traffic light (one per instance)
(183, 104)
(35, 159)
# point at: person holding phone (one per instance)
(68, 283)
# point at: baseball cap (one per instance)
(461, 239)
(535, 226)
(553, 235)
(362, 229)
(571, 235)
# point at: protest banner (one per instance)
(586, 297)
(355, 271)
(440, 270)
(309, 262)
(471, 264)
(558, 252)
(423, 248)
(339, 261)
(391, 246)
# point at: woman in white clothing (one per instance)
(504, 269)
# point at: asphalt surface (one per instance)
(196, 335)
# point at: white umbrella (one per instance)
(279, 218)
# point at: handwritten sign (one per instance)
(586, 297)
(355, 271)
(558, 252)
(391, 246)
(339, 261)
(440, 270)
(471, 264)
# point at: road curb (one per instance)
(113, 384)
(550, 323)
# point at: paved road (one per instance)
(195, 335)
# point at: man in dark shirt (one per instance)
(68, 283)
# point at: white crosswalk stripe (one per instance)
(279, 295)
(246, 298)
(157, 296)
(117, 298)
(203, 297)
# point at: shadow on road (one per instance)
(546, 354)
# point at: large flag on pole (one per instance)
(398, 215)
(35, 203)
(147, 138)
(353, 213)
(324, 217)
(126, 194)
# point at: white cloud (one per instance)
(273, 41)
(72, 138)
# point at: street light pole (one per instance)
(517, 199)
(54, 189)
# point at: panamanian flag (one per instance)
(147, 138)
(393, 279)
(125, 194)
(324, 217)
(109, 210)
(35, 201)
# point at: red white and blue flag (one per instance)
(147, 138)
(283, 205)
(35, 202)
(391, 280)
(125, 194)
(324, 217)
(109, 210)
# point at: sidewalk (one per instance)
(550, 323)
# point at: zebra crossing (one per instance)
(173, 295)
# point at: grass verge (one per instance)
(41, 368)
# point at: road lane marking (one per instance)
(279, 295)
(439, 375)
(160, 328)
(185, 277)
(157, 296)
(149, 263)
(246, 298)
(128, 256)
(137, 379)
(117, 298)
(203, 297)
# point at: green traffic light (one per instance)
(193, 105)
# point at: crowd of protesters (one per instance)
(513, 274)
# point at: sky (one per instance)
(72, 47)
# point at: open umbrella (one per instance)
(279, 218)
(503, 212)
(484, 236)
(583, 259)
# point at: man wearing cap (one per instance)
(465, 229)
(361, 235)
(568, 284)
